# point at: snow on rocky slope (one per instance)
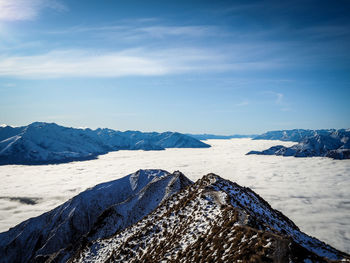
(334, 145)
(50, 143)
(213, 220)
(99, 211)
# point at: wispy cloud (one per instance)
(243, 103)
(279, 100)
(132, 31)
(141, 62)
(69, 63)
(17, 10)
(277, 96)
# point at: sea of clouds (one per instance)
(313, 192)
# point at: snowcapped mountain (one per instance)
(154, 216)
(213, 220)
(334, 145)
(50, 143)
(295, 135)
(99, 211)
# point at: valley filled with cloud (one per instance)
(313, 192)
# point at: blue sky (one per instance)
(221, 67)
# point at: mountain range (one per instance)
(295, 135)
(156, 216)
(324, 143)
(42, 143)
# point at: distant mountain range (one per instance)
(205, 136)
(155, 216)
(324, 143)
(295, 135)
(44, 143)
(41, 143)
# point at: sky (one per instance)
(223, 67)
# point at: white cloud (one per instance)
(18, 10)
(136, 32)
(162, 31)
(313, 192)
(78, 63)
(142, 62)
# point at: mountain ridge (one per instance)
(211, 220)
(58, 229)
(294, 135)
(335, 144)
(44, 143)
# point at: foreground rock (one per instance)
(213, 220)
(42, 143)
(99, 211)
(335, 145)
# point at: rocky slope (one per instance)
(334, 145)
(50, 143)
(99, 211)
(213, 220)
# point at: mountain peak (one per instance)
(211, 220)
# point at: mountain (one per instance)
(213, 220)
(205, 136)
(42, 142)
(99, 211)
(335, 145)
(154, 216)
(295, 135)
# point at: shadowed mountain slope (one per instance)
(42, 143)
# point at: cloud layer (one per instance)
(313, 192)
(141, 62)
